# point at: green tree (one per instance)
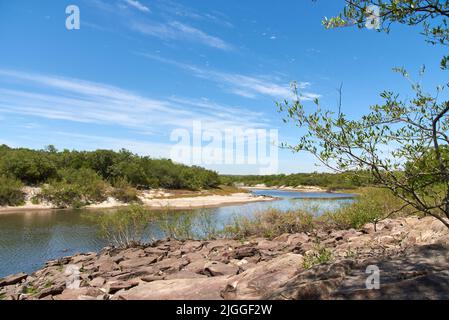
(394, 139)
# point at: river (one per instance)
(29, 239)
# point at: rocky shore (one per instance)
(411, 254)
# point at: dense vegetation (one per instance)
(329, 181)
(10, 192)
(76, 178)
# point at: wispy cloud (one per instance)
(137, 5)
(240, 84)
(176, 30)
(167, 23)
(62, 98)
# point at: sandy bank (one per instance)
(156, 202)
(286, 188)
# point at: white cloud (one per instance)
(239, 84)
(139, 6)
(83, 101)
(176, 30)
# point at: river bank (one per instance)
(153, 199)
(285, 188)
(412, 255)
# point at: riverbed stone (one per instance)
(177, 289)
(138, 262)
(215, 268)
(97, 282)
(13, 279)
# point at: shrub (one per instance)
(372, 205)
(199, 225)
(30, 167)
(90, 184)
(11, 192)
(124, 192)
(271, 223)
(75, 188)
(124, 227)
(177, 225)
(320, 256)
(63, 195)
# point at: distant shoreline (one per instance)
(181, 203)
(310, 189)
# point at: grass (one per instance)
(322, 255)
(30, 290)
(270, 224)
(372, 204)
(2, 296)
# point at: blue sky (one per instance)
(137, 70)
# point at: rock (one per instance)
(155, 251)
(78, 294)
(106, 265)
(138, 262)
(263, 279)
(13, 279)
(316, 283)
(113, 287)
(183, 274)
(152, 278)
(244, 252)
(133, 253)
(196, 266)
(171, 265)
(191, 246)
(83, 258)
(97, 282)
(51, 291)
(267, 245)
(141, 272)
(297, 239)
(386, 239)
(215, 268)
(177, 289)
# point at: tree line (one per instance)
(330, 181)
(77, 178)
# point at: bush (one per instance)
(11, 192)
(372, 205)
(124, 192)
(196, 225)
(75, 188)
(92, 187)
(63, 195)
(124, 227)
(30, 167)
(320, 256)
(271, 223)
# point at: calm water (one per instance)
(28, 240)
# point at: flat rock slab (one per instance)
(13, 279)
(215, 268)
(257, 282)
(177, 289)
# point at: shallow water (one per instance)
(29, 239)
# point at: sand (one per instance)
(156, 202)
(286, 188)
